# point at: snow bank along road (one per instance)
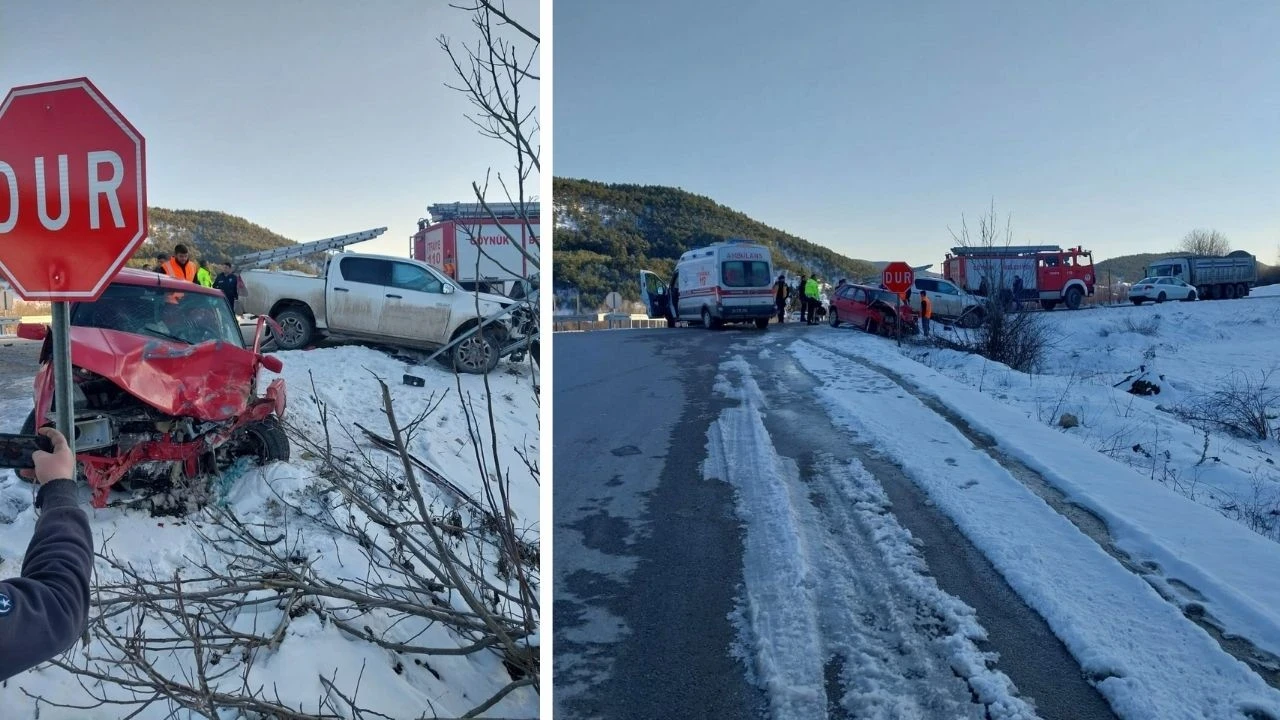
(802, 523)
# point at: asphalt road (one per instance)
(648, 557)
(18, 365)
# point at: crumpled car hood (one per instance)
(211, 381)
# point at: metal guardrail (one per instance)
(583, 323)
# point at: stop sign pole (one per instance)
(73, 205)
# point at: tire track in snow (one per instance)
(1178, 593)
(838, 617)
(1135, 647)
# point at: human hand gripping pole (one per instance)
(43, 611)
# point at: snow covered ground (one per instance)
(1181, 577)
(344, 379)
(1188, 350)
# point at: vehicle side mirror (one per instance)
(271, 362)
(448, 289)
(32, 331)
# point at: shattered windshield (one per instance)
(190, 318)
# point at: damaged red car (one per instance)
(166, 392)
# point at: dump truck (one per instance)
(1213, 277)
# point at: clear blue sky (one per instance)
(313, 118)
(871, 127)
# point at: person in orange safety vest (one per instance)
(181, 266)
(926, 311)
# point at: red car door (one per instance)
(842, 305)
(859, 308)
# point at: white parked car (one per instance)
(1159, 289)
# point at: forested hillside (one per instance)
(605, 234)
(210, 235)
(1129, 268)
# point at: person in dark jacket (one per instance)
(780, 289)
(161, 259)
(229, 283)
(46, 609)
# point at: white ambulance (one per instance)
(726, 282)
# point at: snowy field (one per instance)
(314, 664)
(1188, 509)
(1189, 350)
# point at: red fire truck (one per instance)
(1048, 273)
(464, 241)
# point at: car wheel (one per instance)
(1161, 298)
(888, 325)
(296, 329)
(265, 441)
(835, 318)
(477, 354)
(1191, 296)
(762, 323)
(706, 318)
(1137, 301)
(869, 326)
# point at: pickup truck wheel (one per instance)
(296, 329)
(478, 354)
(972, 318)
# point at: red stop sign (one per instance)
(897, 277)
(73, 191)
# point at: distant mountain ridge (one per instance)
(1128, 268)
(606, 233)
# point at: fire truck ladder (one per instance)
(1003, 250)
(288, 252)
(443, 212)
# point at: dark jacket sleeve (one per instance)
(43, 612)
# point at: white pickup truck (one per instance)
(388, 301)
